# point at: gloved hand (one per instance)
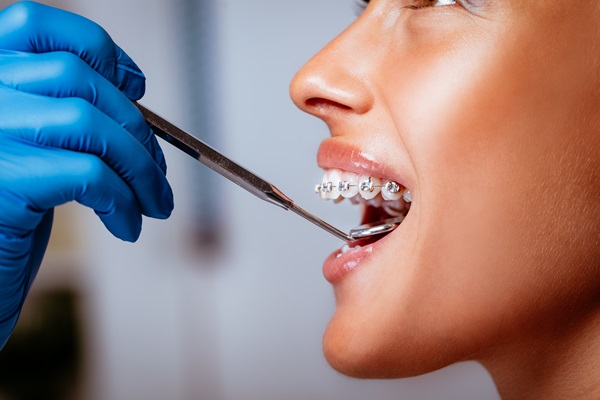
(68, 131)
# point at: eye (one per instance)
(360, 5)
(431, 3)
(416, 4)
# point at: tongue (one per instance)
(374, 214)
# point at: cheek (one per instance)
(454, 129)
(494, 152)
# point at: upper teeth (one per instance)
(337, 183)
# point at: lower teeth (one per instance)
(347, 249)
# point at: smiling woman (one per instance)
(488, 113)
(476, 122)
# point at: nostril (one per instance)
(324, 104)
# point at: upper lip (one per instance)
(348, 157)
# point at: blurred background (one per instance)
(225, 300)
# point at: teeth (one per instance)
(348, 185)
(365, 190)
(369, 187)
(391, 191)
(375, 202)
(336, 184)
(377, 192)
(333, 177)
(366, 184)
(394, 208)
(347, 249)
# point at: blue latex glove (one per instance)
(68, 131)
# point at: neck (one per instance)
(559, 364)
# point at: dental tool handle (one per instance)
(230, 169)
(322, 224)
(214, 160)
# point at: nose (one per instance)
(335, 82)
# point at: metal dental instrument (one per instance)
(376, 228)
(251, 182)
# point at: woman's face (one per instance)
(488, 111)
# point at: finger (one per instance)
(36, 28)
(36, 179)
(62, 74)
(18, 274)
(74, 124)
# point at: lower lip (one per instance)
(336, 268)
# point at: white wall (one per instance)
(168, 323)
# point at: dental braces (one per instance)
(366, 185)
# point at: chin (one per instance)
(356, 353)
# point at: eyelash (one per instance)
(362, 4)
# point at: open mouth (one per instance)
(380, 199)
